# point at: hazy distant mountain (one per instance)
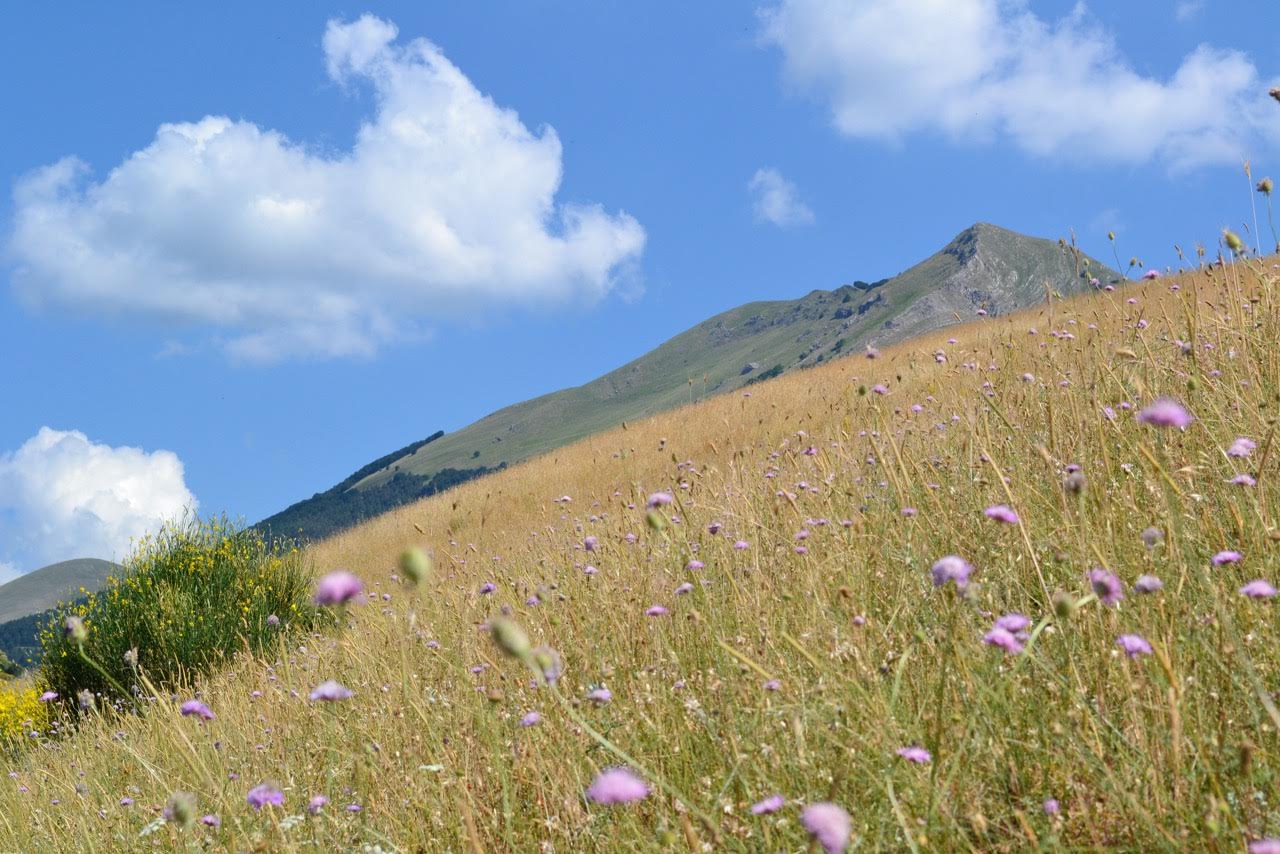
(41, 589)
(984, 268)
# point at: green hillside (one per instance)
(41, 589)
(985, 268)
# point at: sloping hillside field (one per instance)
(1007, 586)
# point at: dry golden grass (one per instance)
(1176, 750)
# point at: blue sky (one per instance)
(255, 304)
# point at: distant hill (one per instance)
(41, 589)
(25, 601)
(985, 268)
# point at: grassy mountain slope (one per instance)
(809, 644)
(984, 268)
(41, 589)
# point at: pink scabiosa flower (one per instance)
(872, 352)
(1166, 412)
(1107, 586)
(951, 568)
(1133, 645)
(880, 388)
(771, 804)
(211, 820)
(1014, 623)
(773, 685)
(617, 786)
(487, 588)
(829, 825)
(1265, 846)
(684, 589)
(1151, 274)
(909, 512)
(1003, 639)
(1241, 447)
(1001, 513)
(658, 499)
(317, 803)
(338, 588)
(330, 691)
(1224, 557)
(714, 528)
(600, 696)
(48, 696)
(655, 611)
(1258, 589)
(265, 795)
(198, 709)
(1243, 479)
(914, 753)
(1147, 584)
(531, 719)
(1051, 807)
(694, 564)
(741, 545)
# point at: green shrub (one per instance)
(189, 599)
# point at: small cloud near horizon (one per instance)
(776, 200)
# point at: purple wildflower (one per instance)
(1265, 846)
(48, 696)
(600, 696)
(590, 543)
(1004, 639)
(1166, 412)
(195, 707)
(1051, 806)
(1241, 447)
(317, 803)
(741, 545)
(1013, 623)
(655, 611)
(211, 821)
(1243, 480)
(338, 588)
(1133, 645)
(330, 691)
(694, 564)
(531, 719)
(265, 795)
(829, 825)
(487, 588)
(684, 589)
(952, 568)
(617, 786)
(1107, 586)
(658, 499)
(908, 512)
(771, 804)
(1147, 584)
(1258, 589)
(1225, 557)
(273, 621)
(1001, 513)
(914, 753)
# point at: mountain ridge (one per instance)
(984, 269)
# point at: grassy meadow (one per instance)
(800, 646)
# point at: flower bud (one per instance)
(1265, 186)
(181, 809)
(74, 630)
(415, 565)
(1064, 604)
(510, 638)
(1233, 241)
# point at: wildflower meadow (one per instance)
(1009, 586)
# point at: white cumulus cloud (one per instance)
(445, 204)
(775, 200)
(978, 70)
(63, 496)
